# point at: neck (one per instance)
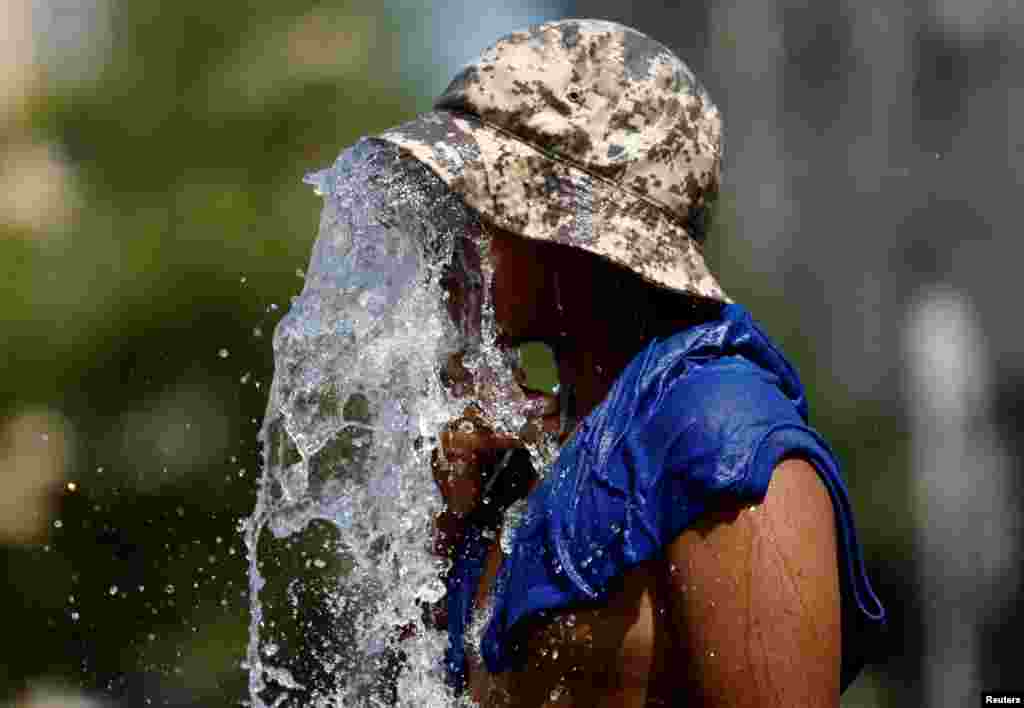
(594, 351)
(590, 365)
(602, 317)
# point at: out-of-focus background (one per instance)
(153, 226)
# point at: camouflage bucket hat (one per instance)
(586, 133)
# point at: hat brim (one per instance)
(520, 188)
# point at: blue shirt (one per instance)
(706, 413)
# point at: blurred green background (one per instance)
(159, 230)
(153, 227)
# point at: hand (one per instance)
(469, 448)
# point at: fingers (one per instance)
(539, 403)
(537, 426)
(460, 383)
(468, 448)
(469, 434)
(448, 532)
(457, 475)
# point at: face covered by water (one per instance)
(390, 339)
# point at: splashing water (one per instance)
(354, 412)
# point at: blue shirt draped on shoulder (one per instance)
(709, 411)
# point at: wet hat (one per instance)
(585, 133)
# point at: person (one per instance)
(693, 542)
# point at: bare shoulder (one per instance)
(754, 597)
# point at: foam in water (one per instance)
(339, 541)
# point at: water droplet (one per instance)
(242, 280)
(711, 654)
(320, 563)
(169, 589)
(113, 590)
(58, 524)
(257, 332)
(75, 616)
(72, 486)
(223, 353)
(245, 377)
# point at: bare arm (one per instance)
(754, 598)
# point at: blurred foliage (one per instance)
(145, 321)
(538, 361)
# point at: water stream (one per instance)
(339, 541)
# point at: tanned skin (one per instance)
(741, 609)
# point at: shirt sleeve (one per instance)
(745, 428)
(616, 497)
